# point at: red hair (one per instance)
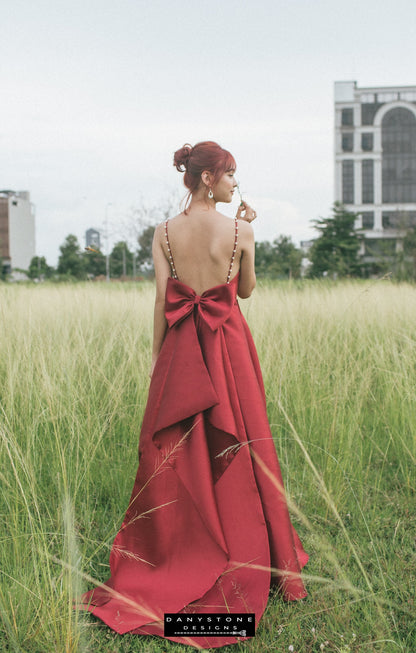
(206, 155)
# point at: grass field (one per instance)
(339, 364)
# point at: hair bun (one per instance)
(181, 157)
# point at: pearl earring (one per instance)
(210, 194)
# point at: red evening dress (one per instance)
(207, 529)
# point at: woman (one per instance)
(207, 529)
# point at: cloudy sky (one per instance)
(96, 95)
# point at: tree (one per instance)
(278, 259)
(39, 269)
(139, 218)
(144, 254)
(289, 257)
(335, 251)
(71, 260)
(265, 257)
(94, 263)
(136, 230)
(409, 254)
(121, 260)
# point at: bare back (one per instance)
(204, 249)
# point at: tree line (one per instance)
(82, 264)
(336, 252)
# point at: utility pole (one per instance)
(107, 258)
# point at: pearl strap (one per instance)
(172, 264)
(234, 251)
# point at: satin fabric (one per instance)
(207, 518)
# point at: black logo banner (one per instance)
(205, 624)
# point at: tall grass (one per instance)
(339, 364)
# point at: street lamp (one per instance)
(107, 258)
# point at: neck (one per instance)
(201, 202)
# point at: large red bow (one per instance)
(214, 305)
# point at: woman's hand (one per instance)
(249, 213)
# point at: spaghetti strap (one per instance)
(234, 250)
(172, 264)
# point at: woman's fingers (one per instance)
(249, 213)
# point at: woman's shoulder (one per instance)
(245, 229)
(245, 236)
(161, 226)
(243, 226)
(178, 216)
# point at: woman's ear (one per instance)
(206, 178)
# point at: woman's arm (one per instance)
(247, 281)
(162, 272)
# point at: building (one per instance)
(92, 238)
(375, 162)
(17, 229)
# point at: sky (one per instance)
(96, 95)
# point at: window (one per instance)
(398, 139)
(347, 142)
(367, 98)
(388, 220)
(367, 172)
(348, 182)
(368, 219)
(367, 142)
(387, 97)
(380, 248)
(410, 96)
(399, 219)
(4, 229)
(368, 111)
(347, 118)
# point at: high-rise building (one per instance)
(17, 229)
(375, 161)
(92, 238)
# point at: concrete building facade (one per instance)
(93, 238)
(17, 229)
(375, 161)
